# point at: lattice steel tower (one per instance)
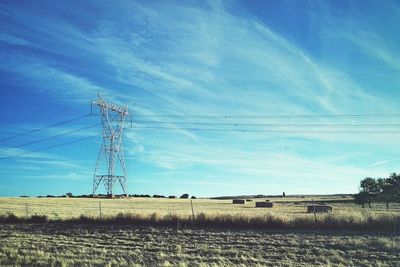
(110, 166)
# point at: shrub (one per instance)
(12, 218)
(38, 219)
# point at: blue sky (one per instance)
(186, 58)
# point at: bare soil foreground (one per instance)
(65, 245)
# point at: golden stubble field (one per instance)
(288, 207)
(108, 245)
(59, 242)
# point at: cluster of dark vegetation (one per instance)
(11, 218)
(70, 195)
(384, 190)
(184, 196)
(243, 197)
(139, 195)
(326, 222)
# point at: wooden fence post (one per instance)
(315, 214)
(191, 203)
(100, 210)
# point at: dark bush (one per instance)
(185, 196)
(12, 218)
(38, 219)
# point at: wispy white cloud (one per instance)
(9, 152)
(61, 177)
(383, 162)
(12, 39)
(61, 84)
(42, 164)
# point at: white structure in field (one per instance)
(110, 166)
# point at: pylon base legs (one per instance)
(109, 181)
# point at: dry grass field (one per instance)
(286, 209)
(77, 245)
(65, 238)
(283, 207)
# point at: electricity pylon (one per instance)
(111, 156)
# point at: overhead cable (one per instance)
(44, 128)
(48, 147)
(270, 131)
(56, 136)
(372, 115)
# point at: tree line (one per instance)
(384, 190)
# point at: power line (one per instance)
(235, 124)
(372, 115)
(375, 115)
(48, 147)
(44, 128)
(270, 131)
(57, 135)
(269, 124)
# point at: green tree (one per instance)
(395, 184)
(386, 191)
(185, 196)
(361, 198)
(371, 189)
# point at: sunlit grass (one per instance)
(287, 213)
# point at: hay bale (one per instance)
(319, 209)
(249, 200)
(267, 200)
(264, 204)
(238, 201)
